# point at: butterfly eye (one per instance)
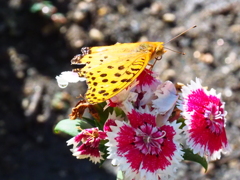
(160, 50)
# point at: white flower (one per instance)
(68, 77)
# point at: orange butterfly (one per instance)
(110, 69)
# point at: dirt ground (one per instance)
(37, 43)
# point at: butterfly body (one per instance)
(110, 69)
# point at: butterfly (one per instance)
(110, 69)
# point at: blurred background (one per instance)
(38, 40)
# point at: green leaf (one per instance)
(189, 155)
(70, 127)
(36, 7)
(89, 121)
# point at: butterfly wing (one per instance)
(110, 69)
(110, 78)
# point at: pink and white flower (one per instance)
(205, 120)
(165, 102)
(86, 144)
(147, 80)
(123, 99)
(141, 149)
(147, 91)
(111, 122)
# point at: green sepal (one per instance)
(120, 175)
(71, 127)
(181, 120)
(103, 114)
(103, 148)
(190, 156)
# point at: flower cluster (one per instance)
(86, 144)
(141, 128)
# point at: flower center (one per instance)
(215, 118)
(149, 139)
(90, 135)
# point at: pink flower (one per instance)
(147, 91)
(165, 102)
(123, 99)
(111, 122)
(141, 149)
(147, 80)
(86, 144)
(205, 120)
(135, 92)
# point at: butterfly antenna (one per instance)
(182, 53)
(181, 34)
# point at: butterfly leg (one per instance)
(78, 110)
(158, 58)
(85, 50)
(76, 59)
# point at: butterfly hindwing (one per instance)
(107, 80)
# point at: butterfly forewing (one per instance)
(110, 69)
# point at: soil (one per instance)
(38, 44)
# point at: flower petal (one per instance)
(67, 77)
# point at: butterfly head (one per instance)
(159, 49)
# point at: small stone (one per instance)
(220, 42)
(103, 11)
(82, 5)
(63, 29)
(96, 35)
(143, 39)
(227, 92)
(235, 28)
(169, 17)
(41, 118)
(156, 7)
(122, 9)
(20, 74)
(25, 102)
(78, 16)
(196, 54)
(78, 43)
(207, 58)
(231, 58)
(75, 36)
(234, 163)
